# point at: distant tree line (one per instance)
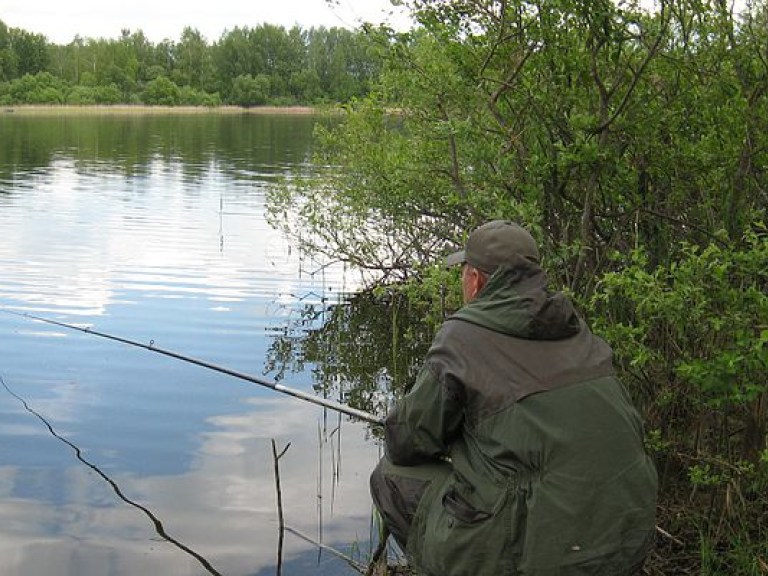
(266, 64)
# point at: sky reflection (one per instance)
(153, 255)
(223, 504)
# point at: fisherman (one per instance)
(517, 450)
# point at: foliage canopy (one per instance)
(634, 144)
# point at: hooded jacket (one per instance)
(549, 472)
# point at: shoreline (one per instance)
(53, 109)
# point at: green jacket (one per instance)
(550, 476)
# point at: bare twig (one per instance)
(280, 520)
(354, 564)
(666, 534)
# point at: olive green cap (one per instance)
(495, 243)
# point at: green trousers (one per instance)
(397, 491)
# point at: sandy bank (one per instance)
(142, 109)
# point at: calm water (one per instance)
(116, 460)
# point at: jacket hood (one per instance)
(515, 301)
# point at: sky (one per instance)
(61, 20)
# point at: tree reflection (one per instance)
(366, 348)
(132, 143)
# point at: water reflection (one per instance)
(159, 528)
(153, 229)
(105, 245)
(244, 147)
(367, 347)
(223, 506)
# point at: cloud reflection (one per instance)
(116, 489)
(220, 508)
(96, 242)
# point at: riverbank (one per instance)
(54, 109)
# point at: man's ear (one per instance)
(480, 280)
(476, 281)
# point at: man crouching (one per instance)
(517, 451)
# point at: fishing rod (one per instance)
(354, 412)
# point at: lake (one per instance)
(118, 460)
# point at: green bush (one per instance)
(691, 338)
(88, 95)
(248, 90)
(108, 94)
(161, 92)
(42, 88)
(699, 325)
(192, 97)
(81, 95)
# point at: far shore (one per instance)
(144, 109)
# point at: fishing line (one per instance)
(78, 453)
(330, 404)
